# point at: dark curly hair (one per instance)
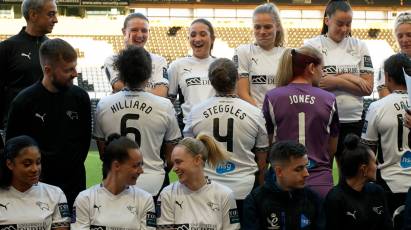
(134, 66)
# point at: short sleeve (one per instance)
(149, 220)
(262, 137)
(366, 62)
(81, 213)
(268, 112)
(98, 133)
(173, 77)
(231, 218)
(173, 133)
(111, 73)
(369, 133)
(61, 215)
(240, 58)
(165, 210)
(160, 75)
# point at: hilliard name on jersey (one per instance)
(224, 109)
(341, 69)
(131, 104)
(306, 99)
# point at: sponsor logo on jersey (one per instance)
(40, 116)
(367, 61)
(341, 69)
(27, 226)
(64, 210)
(179, 203)
(132, 209)
(28, 56)
(272, 221)
(378, 210)
(213, 206)
(352, 214)
(233, 215)
(4, 205)
(97, 227)
(181, 226)
(151, 220)
(43, 206)
(97, 207)
(259, 79)
(225, 168)
(406, 160)
(311, 164)
(304, 221)
(364, 128)
(193, 81)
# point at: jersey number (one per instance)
(301, 128)
(126, 130)
(229, 136)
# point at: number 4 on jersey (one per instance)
(229, 136)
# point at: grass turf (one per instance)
(94, 174)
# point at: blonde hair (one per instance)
(287, 69)
(207, 146)
(270, 8)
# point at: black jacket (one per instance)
(269, 207)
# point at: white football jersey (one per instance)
(349, 56)
(240, 127)
(97, 208)
(158, 73)
(42, 206)
(384, 127)
(190, 74)
(211, 207)
(260, 67)
(146, 118)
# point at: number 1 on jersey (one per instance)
(301, 128)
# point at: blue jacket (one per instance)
(269, 207)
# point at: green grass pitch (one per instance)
(94, 174)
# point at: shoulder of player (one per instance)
(140, 193)
(51, 189)
(110, 59)
(373, 188)
(157, 58)
(315, 41)
(221, 189)
(29, 94)
(245, 49)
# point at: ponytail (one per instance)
(285, 69)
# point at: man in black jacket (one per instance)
(57, 115)
(283, 202)
(19, 54)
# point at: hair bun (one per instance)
(112, 137)
(351, 141)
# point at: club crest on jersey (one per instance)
(272, 222)
(406, 160)
(43, 206)
(225, 168)
(133, 210)
(213, 206)
(73, 115)
(304, 221)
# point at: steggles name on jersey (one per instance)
(341, 69)
(29, 226)
(131, 104)
(307, 99)
(224, 109)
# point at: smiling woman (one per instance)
(214, 204)
(45, 206)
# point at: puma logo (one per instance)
(97, 207)
(351, 214)
(4, 205)
(180, 204)
(187, 70)
(40, 116)
(254, 60)
(26, 55)
(377, 210)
